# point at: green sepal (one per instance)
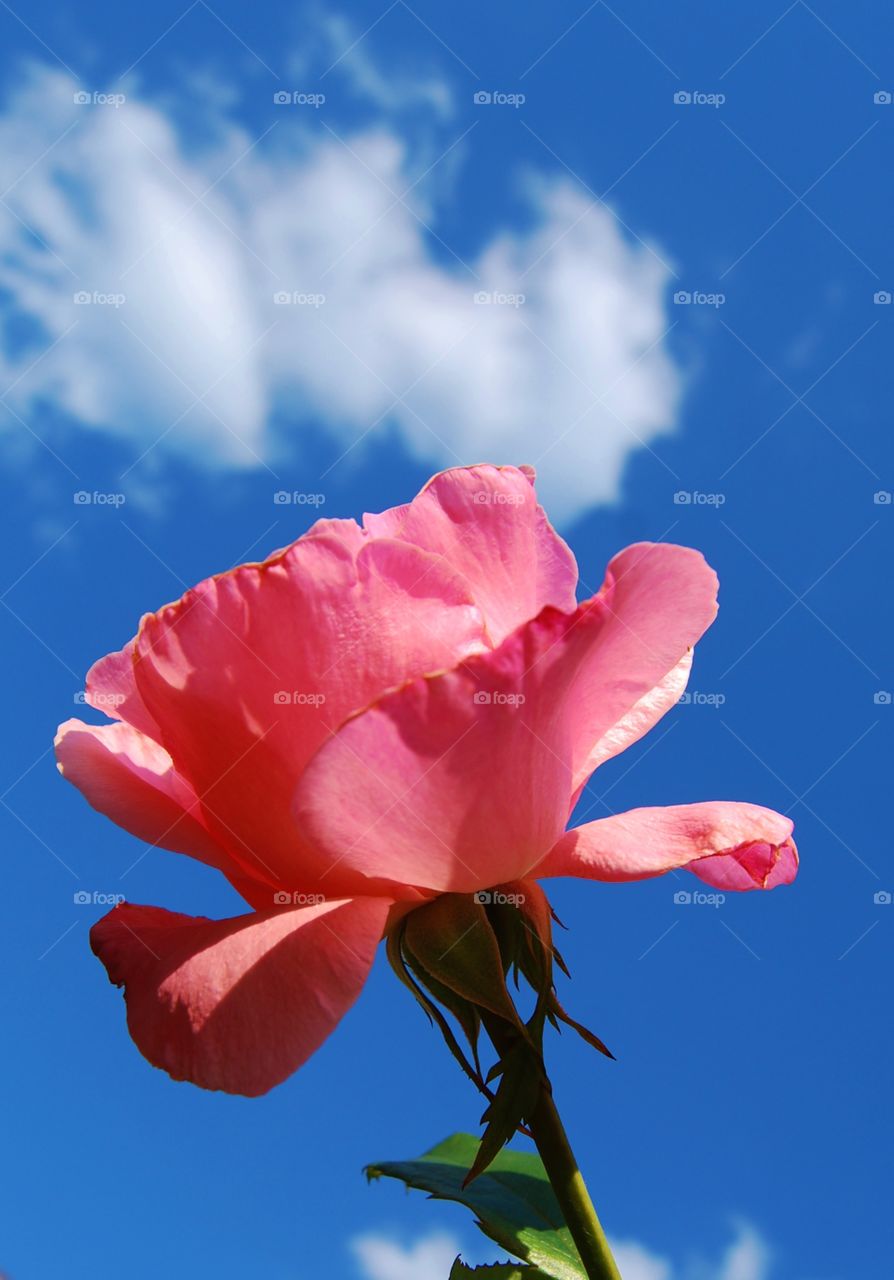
(557, 1012)
(452, 939)
(398, 964)
(522, 1078)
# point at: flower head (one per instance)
(373, 716)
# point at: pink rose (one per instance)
(370, 717)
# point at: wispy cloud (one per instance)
(746, 1258)
(169, 276)
(637, 1263)
(382, 1258)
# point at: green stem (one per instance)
(570, 1189)
(566, 1179)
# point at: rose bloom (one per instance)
(375, 715)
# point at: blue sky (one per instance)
(745, 1131)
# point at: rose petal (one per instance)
(658, 600)
(752, 866)
(730, 845)
(131, 779)
(429, 787)
(238, 1004)
(486, 523)
(112, 689)
(458, 781)
(250, 672)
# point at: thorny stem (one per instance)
(570, 1189)
(565, 1177)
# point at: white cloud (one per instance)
(381, 1258)
(338, 45)
(746, 1258)
(636, 1263)
(199, 239)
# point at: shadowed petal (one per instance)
(239, 1004)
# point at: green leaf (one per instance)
(498, 1271)
(513, 1201)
